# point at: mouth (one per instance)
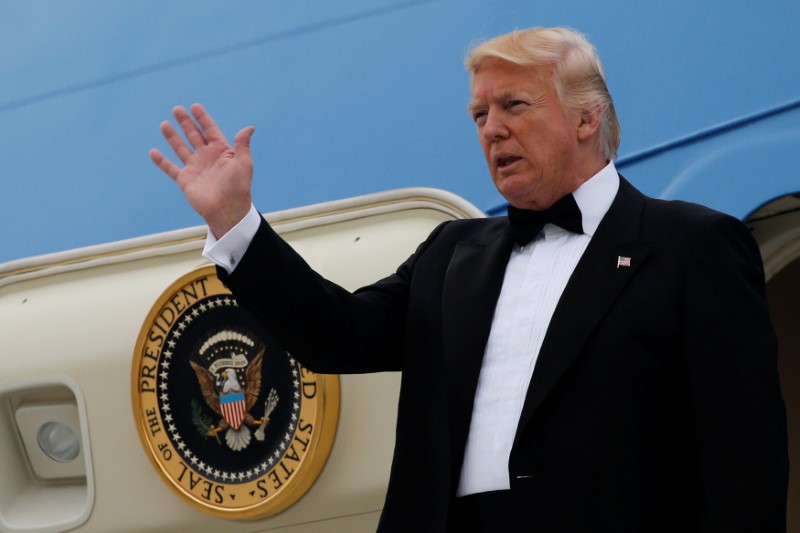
(506, 161)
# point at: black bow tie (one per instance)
(527, 224)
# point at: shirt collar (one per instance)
(595, 195)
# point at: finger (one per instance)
(193, 134)
(175, 141)
(169, 168)
(241, 143)
(210, 128)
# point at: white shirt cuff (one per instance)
(229, 249)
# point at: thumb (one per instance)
(241, 143)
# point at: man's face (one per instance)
(530, 142)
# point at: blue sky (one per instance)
(348, 97)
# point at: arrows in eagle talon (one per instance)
(269, 406)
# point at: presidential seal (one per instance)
(229, 419)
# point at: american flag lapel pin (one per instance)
(623, 261)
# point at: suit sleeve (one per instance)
(731, 353)
(329, 329)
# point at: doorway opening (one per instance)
(776, 227)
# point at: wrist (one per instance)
(223, 222)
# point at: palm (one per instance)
(211, 176)
(216, 177)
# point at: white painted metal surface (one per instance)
(76, 316)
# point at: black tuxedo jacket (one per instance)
(654, 404)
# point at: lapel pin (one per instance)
(623, 261)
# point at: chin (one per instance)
(518, 197)
(513, 190)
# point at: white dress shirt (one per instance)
(534, 280)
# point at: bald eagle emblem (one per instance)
(230, 383)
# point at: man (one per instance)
(599, 361)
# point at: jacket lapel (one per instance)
(472, 286)
(590, 292)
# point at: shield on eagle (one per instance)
(233, 408)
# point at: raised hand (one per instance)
(216, 178)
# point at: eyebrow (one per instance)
(472, 106)
(501, 96)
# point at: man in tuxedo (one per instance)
(596, 361)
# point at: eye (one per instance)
(479, 117)
(515, 105)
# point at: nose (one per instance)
(494, 128)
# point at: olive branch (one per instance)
(201, 422)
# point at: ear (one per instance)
(589, 124)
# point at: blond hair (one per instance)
(579, 79)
